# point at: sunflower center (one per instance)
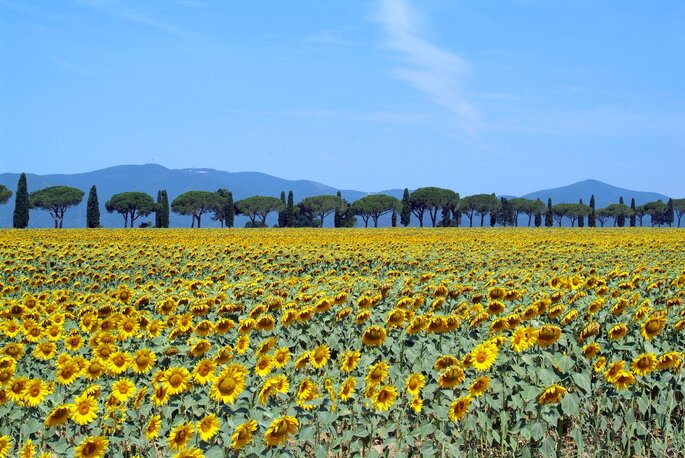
(227, 385)
(175, 380)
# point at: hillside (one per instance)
(605, 194)
(150, 178)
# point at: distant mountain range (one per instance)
(150, 178)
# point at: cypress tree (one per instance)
(633, 218)
(393, 219)
(158, 210)
(281, 212)
(21, 205)
(338, 216)
(93, 209)
(592, 217)
(581, 218)
(230, 213)
(290, 211)
(668, 217)
(549, 217)
(621, 219)
(405, 215)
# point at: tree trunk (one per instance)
(125, 220)
(482, 219)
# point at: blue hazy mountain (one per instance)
(150, 178)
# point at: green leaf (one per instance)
(582, 381)
(548, 447)
(214, 452)
(30, 426)
(565, 363)
(569, 404)
(537, 432)
(547, 376)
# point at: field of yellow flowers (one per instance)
(311, 342)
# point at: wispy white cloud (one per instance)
(430, 69)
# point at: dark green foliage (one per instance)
(538, 218)
(633, 218)
(290, 211)
(321, 206)
(93, 209)
(405, 215)
(678, 208)
(431, 199)
(446, 220)
(21, 205)
(581, 217)
(158, 210)
(282, 211)
(5, 194)
(374, 206)
(549, 214)
(668, 216)
(621, 218)
(506, 215)
(257, 208)
(478, 204)
(592, 217)
(224, 210)
(55, 200)
(131, 205)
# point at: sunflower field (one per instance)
(322, 342)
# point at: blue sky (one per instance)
(495, 96)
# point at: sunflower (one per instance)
(495, 307)
(143, 360)
(668, 360)
(599, 364)
(229, 384)
(446, 361)
(224, 355)
(92, 447)
(644, 364)
(374, 336)
(193, 452)
(622, 380)
(459, 408)
(307, 391)
(15, 389)
(204, 371)
(416, 325)
(84, 410)
(35, 392)
(242, 435)
(302, 361)
(208, 427)
(67, 373)
(377, 373)
(153, 426)
(5, 446)
(319, 357)
(591, 350)
(221, 327)
(123, 389)
(349, 360)
(483, 356)
(614, 369)
(479, 386)
(57, 416)
(385, 397)
(280, 430)
(180, 436)
(281, 357)
(618, 331)
(591, 329)
(242, 344)
(160, 396)
(176, 380)
(523, 338)
(118, 362)
(395, 318)
(552, 395)
(547, 335)
(451, 377)
(45, 351)
(415, 383)
(347, 388)
(28, 450)
(653, 326)
(416, 404)
(263, 365)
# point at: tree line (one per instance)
(429, 205)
